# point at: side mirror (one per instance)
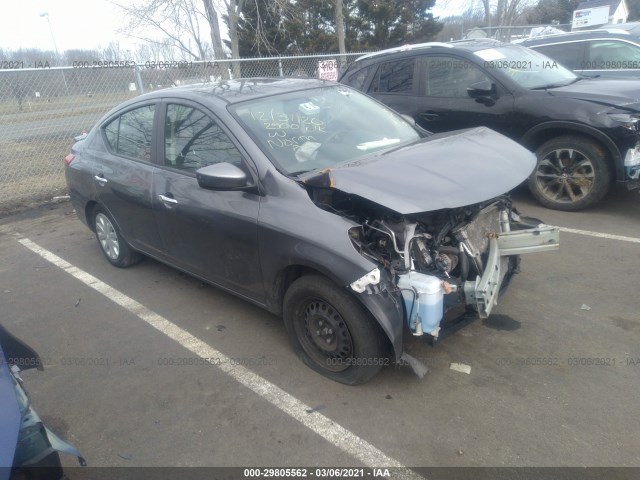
(221, 176)
(483, 89)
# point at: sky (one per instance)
(87, 24)
(75, 24)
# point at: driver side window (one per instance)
(450, 77)
(193, 140)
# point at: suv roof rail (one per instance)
(407, 47)
(597, 30)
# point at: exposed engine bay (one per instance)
(451, 260)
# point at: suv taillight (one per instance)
(68, 159)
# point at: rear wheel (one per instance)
(331, 332)
(114, 247)
(572, 173)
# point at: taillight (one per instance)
(68, 159)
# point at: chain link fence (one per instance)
(43, 109)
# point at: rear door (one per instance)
(123, 176)
(212, 234)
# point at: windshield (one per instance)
(526, 67)
(321, 127)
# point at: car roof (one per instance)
(612, 32)
(409, 49)
(234, 91)
(631, 27)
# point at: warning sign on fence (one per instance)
(328, 70)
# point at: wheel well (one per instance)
(284, 280)
(291, 273)
(88, 213)
(536, 140)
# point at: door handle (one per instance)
(168, 201)
(429, 116)
(100, 179)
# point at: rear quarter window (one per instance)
(570, 55)
(130, 133)
(357, 79)
(394, 77)
(612, 54)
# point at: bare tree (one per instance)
(155, 52)
(214, 26)
(507, 12)
(455, 27)
(114, 52)
(178, 21)
(234, 8)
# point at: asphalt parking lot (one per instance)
(554, 372)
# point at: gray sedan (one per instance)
(315, 202)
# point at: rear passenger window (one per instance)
(193, 140)
(357, 79)
(567, 54)
(130, 133)
(394, 77)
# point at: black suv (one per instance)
(611, 52)
(585, 131)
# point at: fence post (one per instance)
(139, 79)
(280, 66)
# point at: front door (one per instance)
(445, 104)
(212, 234)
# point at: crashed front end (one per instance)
(434, 219)
(448, 263)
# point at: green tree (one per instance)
(385, 24)
(309, 26)
(552, 11)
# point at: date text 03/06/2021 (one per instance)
(316, 472)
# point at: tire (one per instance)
(572, 173)
(331, 332)
(111, 243)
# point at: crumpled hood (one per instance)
(604, 91)
(446, 170)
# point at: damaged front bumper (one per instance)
(483, 292)
(632, 167)
(384, 297)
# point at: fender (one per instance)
(528, 140)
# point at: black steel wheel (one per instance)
(331, 332)
(572, 173)
(113, 246)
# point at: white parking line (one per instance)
(337, 435)
(608, 236)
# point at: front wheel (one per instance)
(572, 173)
(331, 333)
(114, 247)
